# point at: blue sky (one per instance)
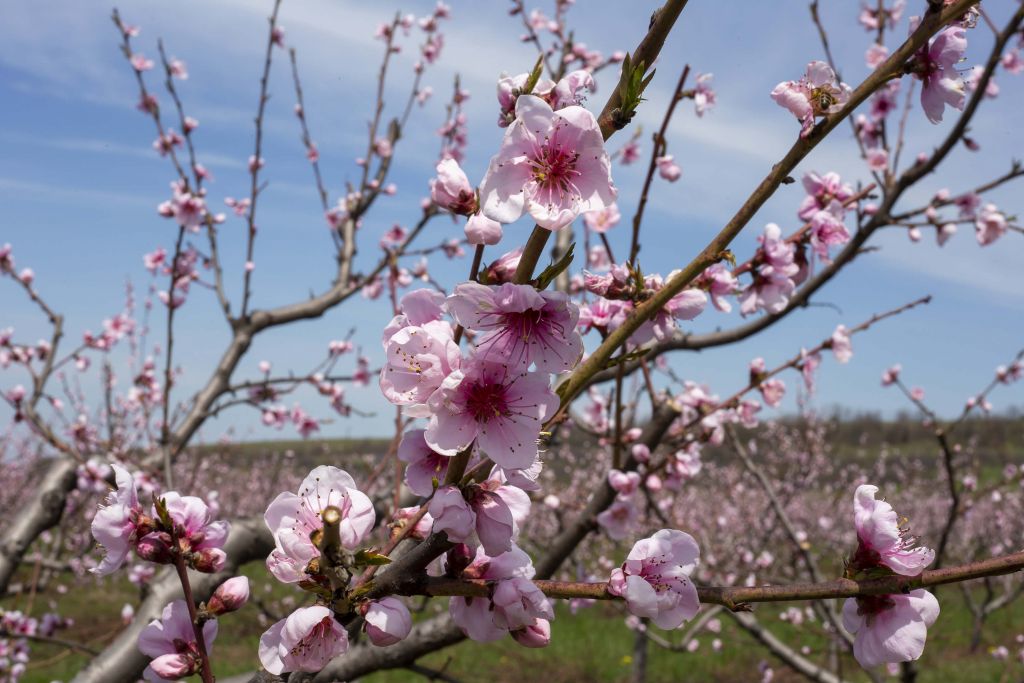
(79, 180)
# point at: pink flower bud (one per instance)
(173, 666)
(387, 621)
(537, 635)
(155, 547)
(209, 560)
(482, 230)
(229, 596)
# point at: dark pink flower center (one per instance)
(554, 168)
(486, 401)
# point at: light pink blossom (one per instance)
(841, 347)
(889, 628)
(523, 326)
(668, 168)
(818, 93)
(293, 517)
(551, 165)
(451, 189)
(482, 230)
(655, 578)
(306, 640)
(881, 539)
(936, 68)
(171, 642)
(114, 525)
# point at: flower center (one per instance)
(486, 401)
(554, 168)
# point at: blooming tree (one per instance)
(516, 437)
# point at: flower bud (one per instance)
(209, 560)
(229, 596)
(482, 230)
(173, 666)
(387, 621)
(536, 635)
(155, 547)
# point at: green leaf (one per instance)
(555, 269)
(538, 70)
(371, 557)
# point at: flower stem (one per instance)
(206, 672)
(531, 254)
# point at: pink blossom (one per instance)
(476, 617)
(500, 409)
(141, 63)
(482, 230)
(424, 464)
(875, 55)
(171, 642)
(451, 189)
(936, 67)
(877, 158)
(818, 93)
(538, 634)
(668, 168)
(890, 375)
(552, 165)
(1012, 61)
(387, 621)
(494, 522)
(603, 220)
(773, 281)
(523, 326)
(624, 483)
(822, 191)
(882, 542)
(306, 640)
(719, 282)
(509, 90)
(114, 525)
(655, 578)
(828, 230)
(841, 347)
(418, 361)
(293, 517)
(630, 153)
(889, 628)
(990, 225)
(772, 390)
(619, 519)
(452, 514)
(703, 96)
(518, 604)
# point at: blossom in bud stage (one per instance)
(572, 89)
(424, 464)
(882, 542)
(452, 514)
(306, 640)
(603, 220)
(655, 578)
(889, 628)
(989, 225)
(451, 189)
(229, 596)
(935, 66)
(114, 525)
(668, 168)
(293, 517)
(518, 603)
(841, 347)
(509, 89)
(538, 634)
(818, 93)
(524, 326)
(494, 522)
(822, 190)
(387, 621)
(551, 165)
(171, 642)
(499, 408)
(477, 617)
(482, 230)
